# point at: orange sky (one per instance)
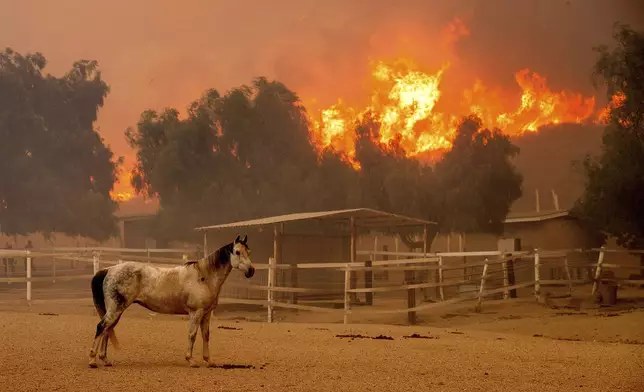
(165, 53)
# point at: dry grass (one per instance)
(496, 350)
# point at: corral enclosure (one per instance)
(312, 262)
(307, 239)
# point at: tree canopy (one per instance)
(615, 178)
(249, 153)
(55, 173)
(477, 180)
(242, 155)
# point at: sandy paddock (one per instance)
(44, 347)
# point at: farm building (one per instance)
(313, 237)
(547, 230)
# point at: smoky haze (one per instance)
(165, 53)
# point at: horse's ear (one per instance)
(245, 239)
(237, 239)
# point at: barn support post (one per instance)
(537, 274)
(294, 283)
(354, 274)
(568, 276)
(368, 274)
(482, 287)
(437, 272)
(385, 273)
(28, 275)
(598, 270)
(271, 284)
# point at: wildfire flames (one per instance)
(410, 105)
(123, 190)
(405, 101)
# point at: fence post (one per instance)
(368, 280)
(440, 278)
(28, 275)
(270, 284)
(95, 262)
(411, 296)
(482, 287)
(537, 274)
(598, 270)
(294, 282)
(347, 294)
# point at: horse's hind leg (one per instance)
(193, 325)
(115, 308)
(102, 353)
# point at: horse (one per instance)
(191, 288)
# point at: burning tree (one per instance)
(250, 153)
(56, 173)
(615, 179)
(238, 156)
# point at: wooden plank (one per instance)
(456, 300)
(45, 279)
(482, 288)
(564, 282)
(384, 289)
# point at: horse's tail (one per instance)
(99, 301)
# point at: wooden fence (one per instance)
(454, 277)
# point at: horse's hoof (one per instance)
(107, 363)
(93, 365)
(211, 365)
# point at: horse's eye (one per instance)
(237, 252)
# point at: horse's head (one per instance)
(240, 258)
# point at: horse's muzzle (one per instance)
(250, 272)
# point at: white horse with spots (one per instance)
(192, 289)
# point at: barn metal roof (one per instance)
(364, 217)
(536, 216)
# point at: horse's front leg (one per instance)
(193, 326)
(205, 337)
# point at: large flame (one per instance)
(123, 190)
(405, 99)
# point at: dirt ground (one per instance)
(511, 346)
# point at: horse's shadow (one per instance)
(181, 364)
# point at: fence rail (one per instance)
(485, 275)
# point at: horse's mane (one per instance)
(216, 259)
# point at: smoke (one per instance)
(165, 53)
(549, 160)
